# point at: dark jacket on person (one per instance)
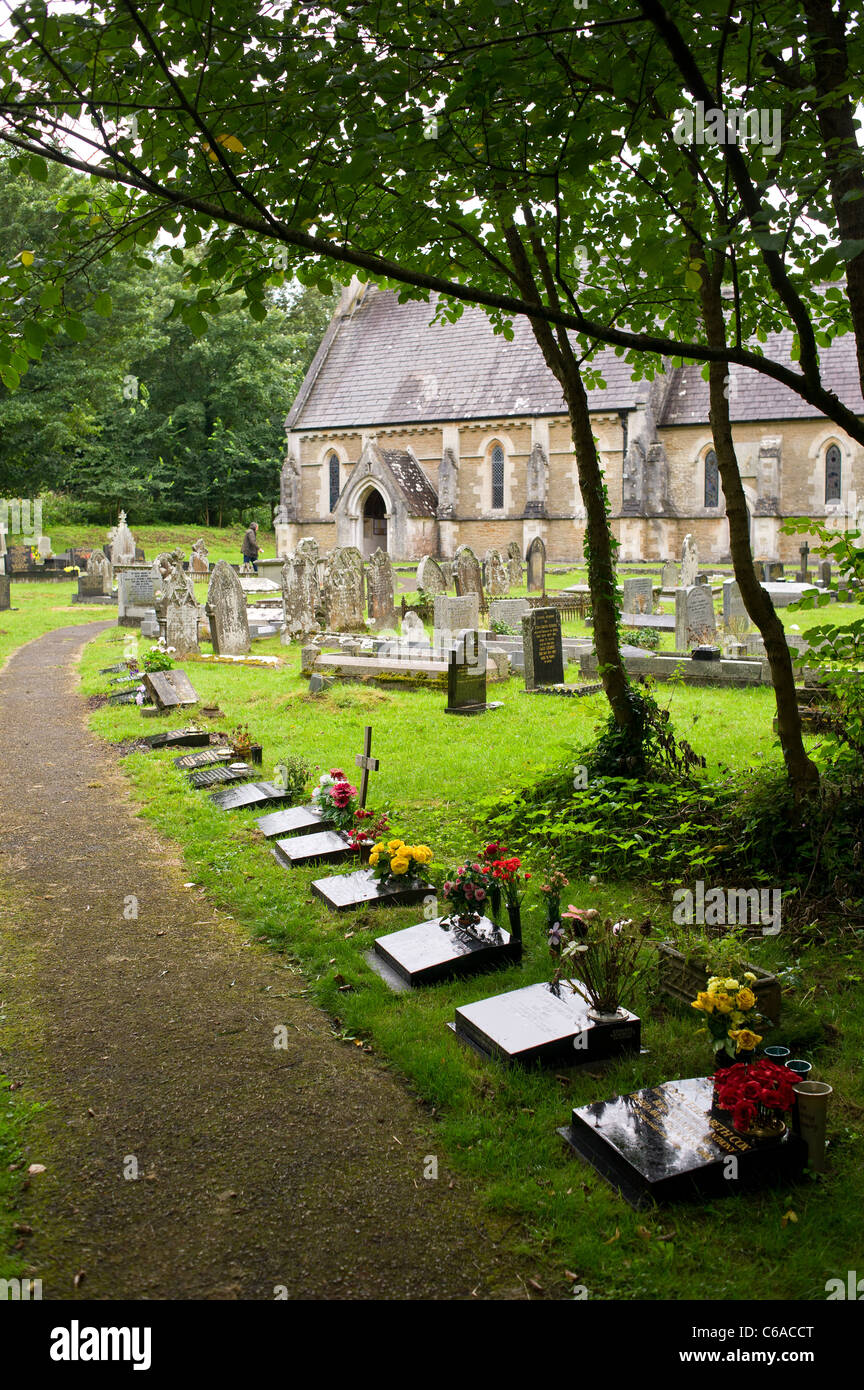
(250, 545)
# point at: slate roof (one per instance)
(753, 396)
(420, 495)
(384, 363)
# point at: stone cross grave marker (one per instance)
(366, 763)
(542, 647)
(537, 566)
(694, 617)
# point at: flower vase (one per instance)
(514, 914)
(495, 899)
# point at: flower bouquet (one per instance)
(551, 890)
(466, 891)
(757, 1095)
(393, 859)
(729, 1008)
(334, 795)
(609, 956)
(368, 826)
(506, 873)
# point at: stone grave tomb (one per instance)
(466, 676)
(348, 892)
(439, 950)
(694, 617)
(226, 612)
(542, 648)
(539, 1025)
(295, 820)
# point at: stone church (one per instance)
(417, 438)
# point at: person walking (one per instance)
(250, 547)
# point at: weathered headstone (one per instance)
(733, 604)
(19, 559)
(537, 566)
(802, 576)
(759, 569)
(43, 546)
(773, 570)
(542, 648)
(689, 562)
(497, 577)
(136, 594)
(226, 612)
(670, 577)
(825, 573)
(694, 617)
(514, 564)
(199, 561)
(122, 543)
(466, 675)
(100, 566)
(181, 621)
(413, 629)
(5, 592)
(453, 614)
(343, 590)
(509, 611)
(300, 595)
(638, 595)
(467, 574)
(430, 577)
(380, 589)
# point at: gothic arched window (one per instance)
(712, 480)
(832, 473)
(335, 486)
(497, 478)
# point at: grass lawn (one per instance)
(497, 1128)
(223, 543)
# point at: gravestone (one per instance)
(348, 892)
(466, 675)
(733, 604)
(453, 614)
(773, 570)
(181, 620)
(412, 629)
(5, 593)
(825, 573)
(497, 577)
(439, 950)
(329, 845)
(509, 611)
(199, 561)
(249, 794)
(668, 1143)
(19, 559)
(226, 612)
(467, 574)
(689, 562)
(122, 543)
(638, 595)
(380, 589)
(136, 594)
(296, 820)
(169, 689)
(179, 738)
(514, 564)
(219, 776)
(803, 575)
(670, 576)
(537, 566)
(694, 617)
(342, 590)
(100, 567)
(430, 577)
(208, 757)
(90, 590)
(537, 1025)
(542, 648)
(300, 595)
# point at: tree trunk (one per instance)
(802, 773)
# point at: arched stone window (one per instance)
(832, 473)
(712, 480)
(497, 478)
(333, 475)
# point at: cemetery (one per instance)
(432, 661)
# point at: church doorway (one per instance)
(374, 523)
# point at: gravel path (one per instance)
(152, 1042)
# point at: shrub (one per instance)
(648, 637)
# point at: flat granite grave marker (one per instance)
(667, 1144)
(331, 845)
(179, 738)
(542, 648)
(219, 776)
(428, 953)
(249, 794)
(170, 688)
(346, 892)
(538, 1025)
(297, 820)
(208, 758)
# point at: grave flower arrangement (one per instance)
(158, 659)
(506, 871)
(392, 859)
(466, 891)
(610, 958)
(757, 1095)
(551, 890)
(335, 796)
(729, 1008)
(368, 827)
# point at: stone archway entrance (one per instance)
(374, 523)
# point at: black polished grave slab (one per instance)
(125, 697)
(666, 1144)
(305, 849)
(534, 1026)
(250, 794)
(344, 892)
(218, 776)
(297, 820)
(209, 757)
(179, 738)
(427, 953)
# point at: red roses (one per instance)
(753, 1091)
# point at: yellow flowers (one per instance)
(728, 1003)
(398, 865)
(397, 858)
(704, 1002)
(745, 1039)
(745, 999)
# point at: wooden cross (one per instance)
(365, 761)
